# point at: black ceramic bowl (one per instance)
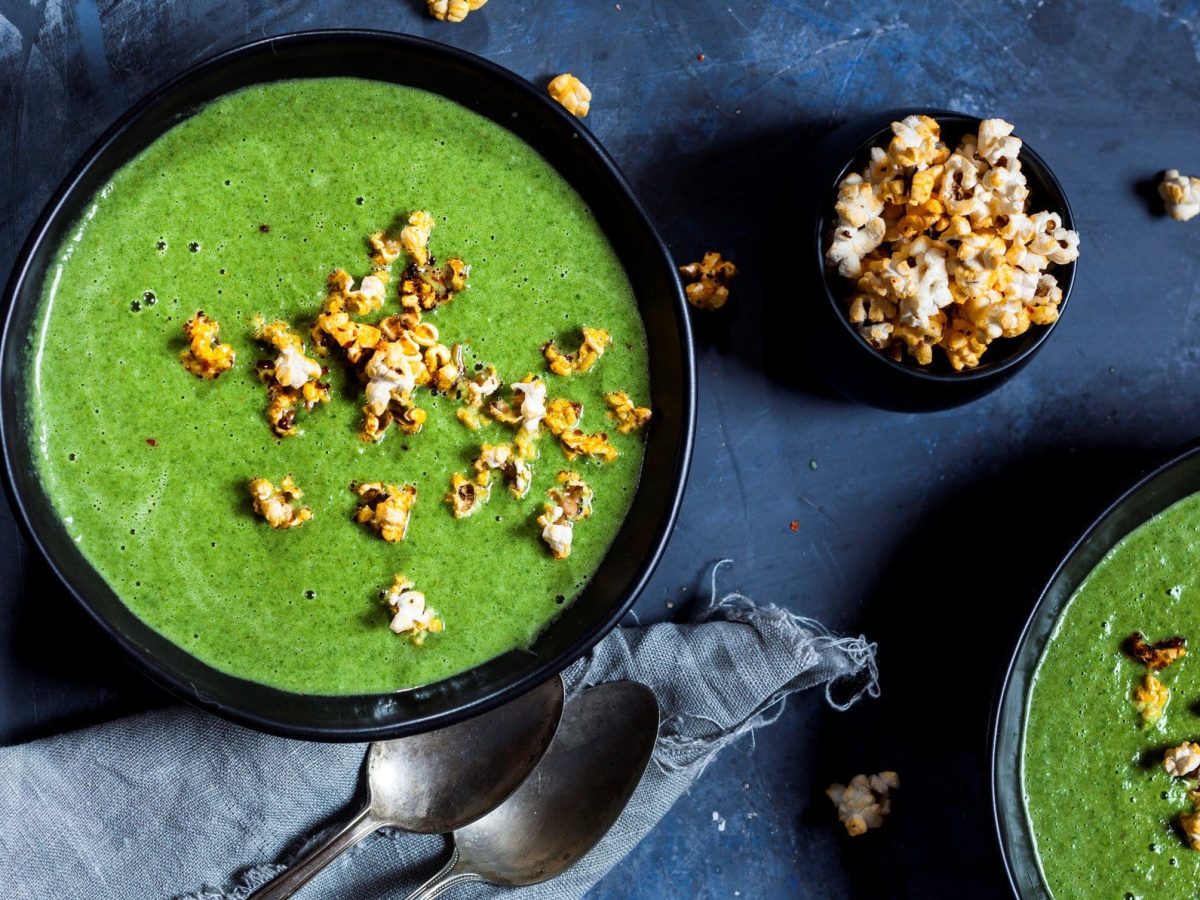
(526, 111)
(1169, 483)
(835, 350)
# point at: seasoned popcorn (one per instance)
(577, 443)
(628, 417)
(386, 508)
(1180, 194)
(864, 802)
(472, 418)
(571, 93)
(570, 501)
(532, 394)
(410, 613)
(467, 496)
(941, 248)
(1183, 761)
(1189, 824)
(595, 341)
(561, 415)
(453, 10)
(414, 237)
(384, 250)
(505, 459)
(477, 389)
(709, 281)
(205, 357)
(278, 504)
(293, 379)
(1158, 655)
(361, 301)
(1150, 698)
(426, 286)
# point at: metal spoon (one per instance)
(435, 782)
(570, 800)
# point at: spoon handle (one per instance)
(305, 869)
(443, 880)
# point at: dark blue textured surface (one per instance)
(929, 533)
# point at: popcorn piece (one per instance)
(384, 250)
(572, 93)
(710, 279)
(386, 508)
(414, 237)
(1183, 761)
(410, 613)
(864, 802)
(366, 299)
(278, 504)
(532, 392)
(576, 443)
(916, 142)
(628, 417)
(857, 202)
(995, 142)
(467, 496)
(1189, 824)
(480, 387)
(453, 10)
(293, 379)
(1158, 655)
(1150, 697)
(1180, 194)
(426, 286)
(595, 342)
(505, 459)
(561, 415)
(850, 245)
(570, 501)
(205, 357)
(469, 417)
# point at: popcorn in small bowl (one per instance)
(944, 251)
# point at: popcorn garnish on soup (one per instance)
(941, 247)
(410, 614)
(278, 505)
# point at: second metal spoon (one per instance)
(570, 800)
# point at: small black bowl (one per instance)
(834, 349)
(514, 104)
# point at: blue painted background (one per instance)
(928, 533)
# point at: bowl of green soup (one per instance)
(236, 189)
(1084, 804)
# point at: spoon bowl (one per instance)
(570, 800)
(441, 780)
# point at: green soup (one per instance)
(1101, 806)
(244, 209)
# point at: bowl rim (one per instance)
(905, 368)
(164, 675)
(1007, 684)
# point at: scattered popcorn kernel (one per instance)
(453, 10)
(628, 417)
(477, 389)
(469, 417)
(467, 496)
(1183, 761)
(526, 444)
(384, 250)
(1189, 824)
(1180, 194)
(709, 281)
(531, 391)
(1150, 697)
(366, 299)
(571, 93)
(414, 237)
(386, 508)
(595, 341)
(410, 613)
(864, 802)
(570, 501)
(205, 357)
(1158, 655)
(505, 459)
(561, 415)
(293, 379)
(577, 443)
(278, 504)
(426, 286)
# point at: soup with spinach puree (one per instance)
(1110, 809)
(243, 211)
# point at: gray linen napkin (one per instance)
(178, 803)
